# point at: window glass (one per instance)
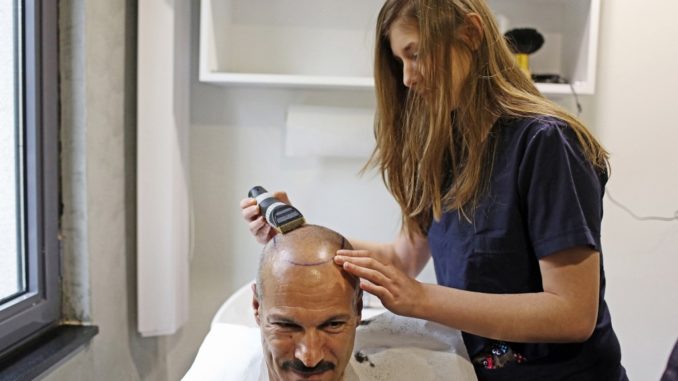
(12, 279)
(29, 201)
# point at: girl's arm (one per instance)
(566, 311)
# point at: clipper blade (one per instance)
(286, 218)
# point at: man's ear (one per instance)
(255, 303)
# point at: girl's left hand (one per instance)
(378, 276)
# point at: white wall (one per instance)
(236, 142)
(238, 134)
(98, 130)
(634, 115)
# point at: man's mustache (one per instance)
(299, 366)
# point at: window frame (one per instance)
(38, 309)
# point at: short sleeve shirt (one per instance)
(543, 196)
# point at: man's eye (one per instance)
(287, 326)
(334, 325)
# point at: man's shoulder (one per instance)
(229, 352)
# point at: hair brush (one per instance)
(523, 42)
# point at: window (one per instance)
(29, 248)
(11, 264)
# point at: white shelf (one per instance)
(292, 43)
(570, 30)
(288, 80)
(329, 43)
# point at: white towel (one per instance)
(393, 347)
(230, 352)
(387, 347)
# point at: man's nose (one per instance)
(310, 349)
(410, 74)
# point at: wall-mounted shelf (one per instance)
(292, 43)
(288, 80)
(570, 30)
(329, 43)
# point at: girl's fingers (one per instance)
(353, 253)
(363, 261)
(245, 202)
(256, 225)
(378, 291)
(250, 212)
(282, 196)
(264, 230)
(373, 275)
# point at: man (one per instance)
(307, 310)
(306, 306)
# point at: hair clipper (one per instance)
(282, 217)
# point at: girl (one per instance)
(500, 186)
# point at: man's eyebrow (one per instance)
(281, 319)
(337, 317)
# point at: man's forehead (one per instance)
(288, 276)
(293, 263)
(289, 270)
(307, 246)
(307, 286)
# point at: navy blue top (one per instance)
(543, 196)
(671, 372)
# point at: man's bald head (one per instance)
(309, 246)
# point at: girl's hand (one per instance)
(382, 278)
(257, 224)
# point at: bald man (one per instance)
(306, 306)
(307, 310)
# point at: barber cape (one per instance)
(387, 347)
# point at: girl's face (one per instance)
(404, 41)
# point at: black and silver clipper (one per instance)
(282, 217)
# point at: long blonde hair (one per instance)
(433, 160)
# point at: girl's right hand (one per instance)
(260, 229)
